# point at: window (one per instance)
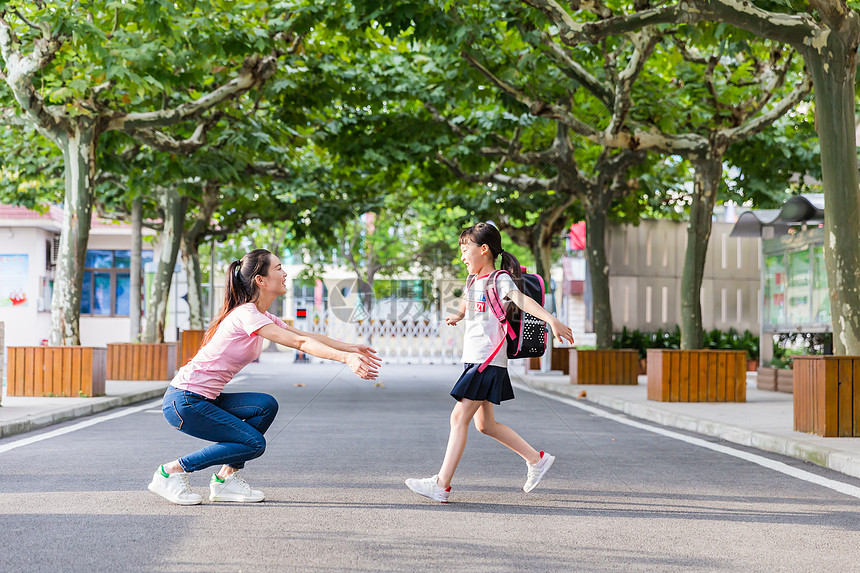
(774, 289)
(797, 290)
(820, 293)
(107, 282)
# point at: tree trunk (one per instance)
(365, 294)
(191, 260)
(156, 307)
(213, 256)
(79, 161)
(596, 211)
(549, 226)
(542, 252)
(136, 267)
(708, 175)
(833, 74)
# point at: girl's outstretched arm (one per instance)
(453, 318)
(560, 331)
(361, 359)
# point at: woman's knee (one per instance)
(258, 446)
(270, 404)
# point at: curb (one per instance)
(39, 421)
(830, 458)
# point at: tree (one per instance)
(770, 166)
(720, 96)
(75, 72)
(827, 37)
(182, 206)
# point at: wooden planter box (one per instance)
(561, 360)
(766, 379)
(785, 380)
(72, 371)
(558, 361)
(132, 361)
(697, 375)
(827, 395)
(189, 344)
(617, 366)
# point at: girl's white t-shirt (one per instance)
(484, 332)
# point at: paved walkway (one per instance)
(19, 415)
(764, 422)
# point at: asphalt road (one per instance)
(617, 498)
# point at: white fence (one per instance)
(403, 341)
(403, 331)
(429, 341)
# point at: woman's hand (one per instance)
(364, 363)
(365, 350)
(453, 319)
(561, 331)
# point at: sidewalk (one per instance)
(764, 421)
(19, 415)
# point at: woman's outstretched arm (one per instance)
(361, 359)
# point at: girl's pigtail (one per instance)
(512, 265)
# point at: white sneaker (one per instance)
(174, 487)
(429, 487)
(535, 472)
(233, 488)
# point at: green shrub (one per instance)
(671, 339)
(631, 339)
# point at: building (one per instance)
(645, 266)
(29, 242)
(794, 277)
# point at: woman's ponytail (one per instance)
(235, 288)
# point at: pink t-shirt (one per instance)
(234, 346)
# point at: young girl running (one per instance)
(476, 391)
(195, 404)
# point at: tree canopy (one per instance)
(379, 129)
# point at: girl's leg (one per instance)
(486, 423)
(462, 414)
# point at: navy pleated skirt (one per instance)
(492, 385)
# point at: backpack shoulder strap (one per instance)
(495, 302)
(498, 311)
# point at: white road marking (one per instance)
(780, 467)
(76, 427)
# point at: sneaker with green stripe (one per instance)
(233, 488)
(174, 487)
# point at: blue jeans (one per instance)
(235, 421)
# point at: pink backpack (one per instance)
(526, 335)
